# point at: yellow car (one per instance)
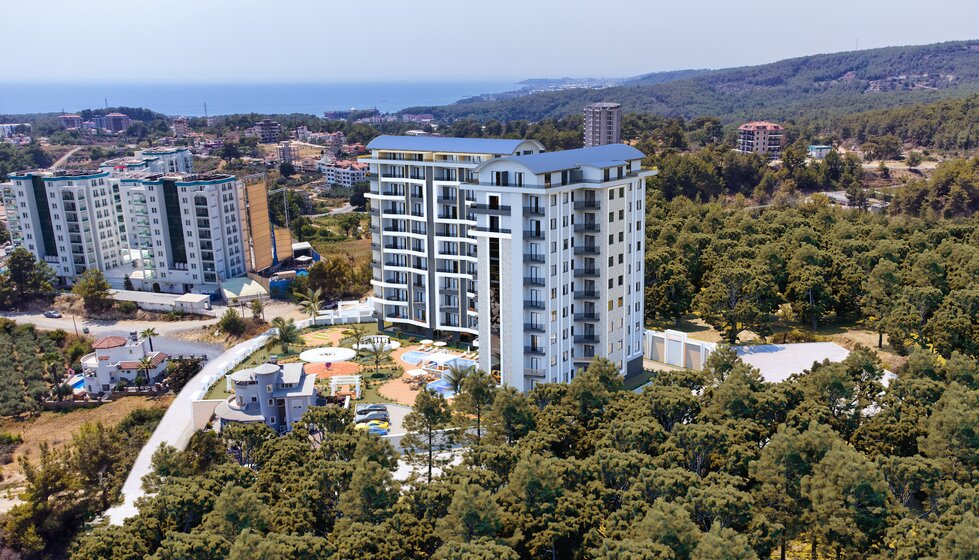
(374, 427)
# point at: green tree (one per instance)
(721, 543)
(426, 426)
(735, 297)
(377, 352)
(310, 302)
(473, 514)
(881, 289)
(371, 493)
(94, 289)
(477, 394)
(148, 334)
(258, 311)
(913, 159)
(849, 498)
(127, 283)
(231, 323)
(286, 333)
(510, 418)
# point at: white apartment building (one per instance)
(343, 173)
(424, 259)
(560, 280)
(544, 249)
(72, 220)
(157, 160)
(118, 359)
(185, 230)
(168, 232)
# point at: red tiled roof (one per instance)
(109, 342)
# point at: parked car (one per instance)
(52, 314)
(378, 415)
(373, 424)
(85, 330)
(274, 359)
(331, 305)
(365, 408)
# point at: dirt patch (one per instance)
(211, 335)
(398, 391)
(850, 339)
(328, 337)
(72, 305)
(57, 428)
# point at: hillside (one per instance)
(793, 88)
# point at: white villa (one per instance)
(275, 394)
(118, 359)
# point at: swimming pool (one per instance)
(441, 386)
(77, 382)
(413, 357)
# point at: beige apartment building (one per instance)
(761, 137)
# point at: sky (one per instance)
(432, 40)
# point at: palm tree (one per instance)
(257, 309)
(455, 374)
(355, 335)
(377, 351)
(286, 333)
(310, 302)
(149, 334)
(145, 365)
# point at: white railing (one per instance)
(241, 353)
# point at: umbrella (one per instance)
(476, 343)
(427, 341)
(440, 343)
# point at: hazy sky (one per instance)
(422, 40)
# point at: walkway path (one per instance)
(177, 425)
(63, 159)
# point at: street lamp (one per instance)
(75, 324)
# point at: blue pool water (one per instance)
(441, 386)
(413, 357)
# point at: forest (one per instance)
(911, 279)
(712, 465)
(798, 88)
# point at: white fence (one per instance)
(238, 354)
(675, 349)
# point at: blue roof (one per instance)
(445, 144)
(609, 155)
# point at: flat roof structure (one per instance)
(777, 362)
(445, 144)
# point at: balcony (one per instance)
(588, 338)
(533, 210)
(533, 350)
(533, 327)
(534, 234)
(589, 317)
(533, 304)
(533, 280)
(534, 258)
(530, 372)
(482, 229)
(587, 250)
(586, 272)
(586, 294)
(487, 209)
(588, 226)
(587, 204)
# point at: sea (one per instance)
(189, 99)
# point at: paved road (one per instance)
(176, 427)
(105, 327)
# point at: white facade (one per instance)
(561, 245)
(174, 233)
(186, 230)
(70, 220)
(424, 259)
(277, 395)
(118, 359)
(346, 176)
(157, 160)
(540, 254)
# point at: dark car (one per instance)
(52, 314)
(365, 408)
(378, 415)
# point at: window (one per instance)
(611, 194)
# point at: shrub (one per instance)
(232, 323)
(127, 307)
